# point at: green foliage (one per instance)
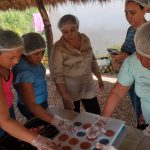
(18, 21)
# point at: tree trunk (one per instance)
(47, 26)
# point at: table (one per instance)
(129, 138)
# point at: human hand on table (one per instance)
(42, 143)
(105, 147)
(99, 126)
(63, 125)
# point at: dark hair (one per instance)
(33, 41)
(68, 18)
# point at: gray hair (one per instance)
(33, 42)
(142, 40)
(71, 19)
(9, 40)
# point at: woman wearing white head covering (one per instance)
(11, 47)
(30, 84)
(72, 65)
(136, 68)
(135, 11)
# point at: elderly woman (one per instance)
(135, 11)
(72, 65)
(135, 69)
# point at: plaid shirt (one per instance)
(128, 45)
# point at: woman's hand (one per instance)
(105, 147)
(68, 102)
(63, 125)
(121, 56)
(42, 143)
(116, 66)
(146, 131)
(97, 128)
(67, 99)
(117, 60)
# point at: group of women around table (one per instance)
(72, 66)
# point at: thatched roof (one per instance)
(23, 4)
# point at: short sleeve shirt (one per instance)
(34, 74)
(129, 46)
(132, 70)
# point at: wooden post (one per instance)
(47, 26)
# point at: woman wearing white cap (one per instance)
(72, 65)
(30, 83)
(135, 69)
(135, 11)
(11, 48)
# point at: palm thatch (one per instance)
(23, 4)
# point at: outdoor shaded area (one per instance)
(124, 111)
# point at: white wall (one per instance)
(104, 24)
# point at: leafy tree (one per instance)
(18, 21)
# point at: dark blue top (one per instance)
(128, 45)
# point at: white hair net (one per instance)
(9, 41)
(142, 40)
(68, 20)
(144, 3)
(33, 42)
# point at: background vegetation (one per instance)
(18, 21)
(21, 22)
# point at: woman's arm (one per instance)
(27, 93)
(96, 71)
(10, 125)
(116, 96)
(57, 65)
(67, 100)
(28, 96)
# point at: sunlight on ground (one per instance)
(108, 79)
(105, 78)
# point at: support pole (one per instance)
(47, 26)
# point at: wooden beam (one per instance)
(47, 26)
